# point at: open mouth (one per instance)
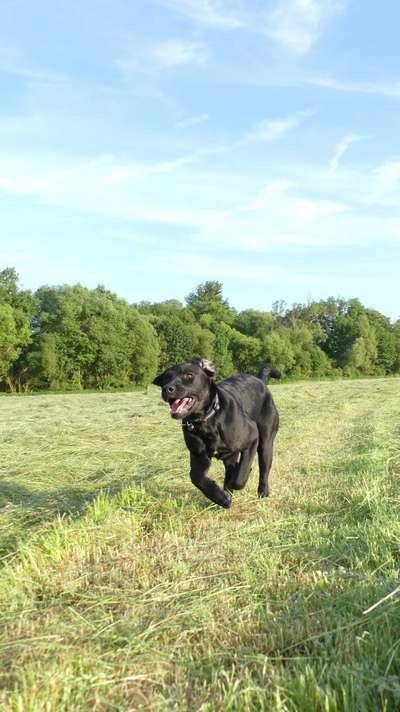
(181, 406)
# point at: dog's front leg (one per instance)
(199, 466)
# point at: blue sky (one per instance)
(154, 144)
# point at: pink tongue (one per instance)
(179, 405)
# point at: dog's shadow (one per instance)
(24, 510)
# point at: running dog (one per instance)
(230, 420)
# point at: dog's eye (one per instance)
(188, 376)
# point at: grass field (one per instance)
(122, 588)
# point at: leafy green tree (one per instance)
(279, 309)
(360, 357)
(169, 306)
(294, 351)
(385, 342)
(8, 286)
(73, 337)
(320, 363)
(89, 339)
(39, 366)
(246, 352)
(16, 310)
(143, 348)
(302, 345)
(10, 343)
(176, 340)
(396, 333)
(208, 299)
(203, 341)
(279, 351)
(252, 322)
(309, 359)
(180, 335)
(222, 354)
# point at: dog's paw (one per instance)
(227, 500)
(263, 493)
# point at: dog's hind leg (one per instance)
(199, 466)
(268, 425)
(265, 451)
(231, 465)
(244, 466)
(265, 454)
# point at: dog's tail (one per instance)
(268, 370)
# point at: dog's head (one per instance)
(186, 387)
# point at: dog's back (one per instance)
(247, 391)
(250, 392)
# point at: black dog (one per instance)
(230, 421)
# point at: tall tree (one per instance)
(89, 339)
(255, 323)
(246, 352)
(208, 299)
(396, 332)
(16, 311)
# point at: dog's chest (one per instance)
(214, 444)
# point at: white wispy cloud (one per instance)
(279, 215)
(387, 177)
(192, 121)
(215, 268)
(165, 55)
(298, 24)
(56, 180)
(271, 130)
(311, 208)
(295, 25)
(389, 89)
(134, 191)
(59, 180)
(268, 193)
(342, 147)
(276, 197)
(212, 13)
(118, 174)
(294, 220)
(14, 63)
(176, 52)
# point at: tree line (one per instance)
(71, 337)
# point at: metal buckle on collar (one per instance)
(187, 424)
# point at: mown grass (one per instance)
(122, 588)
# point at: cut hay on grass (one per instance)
(123, 588)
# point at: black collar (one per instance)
(189, 423)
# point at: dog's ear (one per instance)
(159, 380)
(208, 366)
